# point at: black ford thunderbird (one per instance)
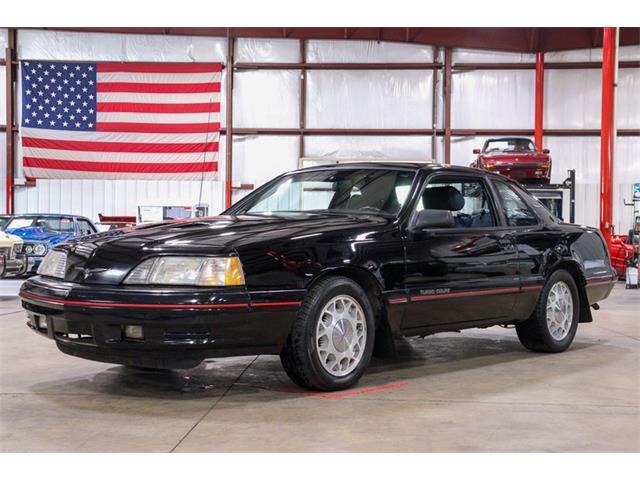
(325, 266)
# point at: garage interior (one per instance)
(296, 94)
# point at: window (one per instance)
(55, 224)
(512, 145)
(370, 191)
(466, 199)
(515, 210)
(85, 227)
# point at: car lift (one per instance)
(552, 196)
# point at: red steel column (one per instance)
(9, 71)
(539, 99)
(607, 132)
(229, 129)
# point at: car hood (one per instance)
(39, 234)
(107, 257)
(8, 240)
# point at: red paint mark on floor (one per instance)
(361, 391)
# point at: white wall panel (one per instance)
(3, 173)
(259, 158)
(4, 38)
(112, 197)
(462, 55)
(266, 98)
(267, 50)
(364, 51)
(58, 45)
(493, 99)
(369, 99)
(3, 97)
(628, 52)
(583, 155)
(572, 98)
(462, 149)
(628, 98)
(415, 147)
(626, 168)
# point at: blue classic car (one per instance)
(41, 231)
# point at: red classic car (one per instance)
(515, 157)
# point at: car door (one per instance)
(465, 273)
(532, 241)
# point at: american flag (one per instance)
(120, 120)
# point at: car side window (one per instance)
(85, 227)
(514, 208)
(466, 198)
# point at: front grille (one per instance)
(18, 248)
(76, 337)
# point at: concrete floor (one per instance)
(475, 391)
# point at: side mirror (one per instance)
(546, 150)
(430, 218)
(476, 151)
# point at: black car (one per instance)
(324, 267)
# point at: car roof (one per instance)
(508, 138)
(399, 166)
(64, 215)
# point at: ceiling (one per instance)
(514, 39)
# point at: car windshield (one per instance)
(3, 222)
(56, 224)
(509, 145)
(371, 191)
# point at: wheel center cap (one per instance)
(342, 335)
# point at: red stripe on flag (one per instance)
(142, 67)
(136, 87)
(158, 127)
(158, 107)
(85, 146)
(118, 167)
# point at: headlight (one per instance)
(54, 264)
(39, 249)
(199, 271)
(28, 249)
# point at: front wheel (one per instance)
(332, 338)
(554, 322)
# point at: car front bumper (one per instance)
(522, 172)
(181, 326)
(12, 266)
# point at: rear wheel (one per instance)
(554, 322)
(332, 337)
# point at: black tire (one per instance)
(300, 357)
(535, 333)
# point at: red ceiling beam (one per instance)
(608, 134)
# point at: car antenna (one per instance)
(204, 155)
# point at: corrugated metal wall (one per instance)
(352, 99)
